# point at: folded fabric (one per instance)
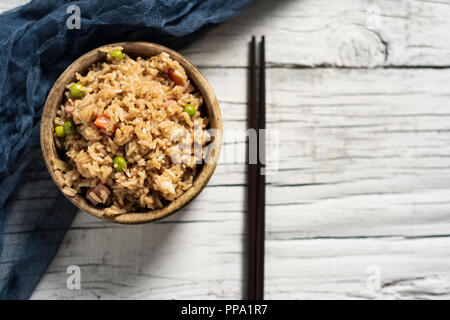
(39, 40)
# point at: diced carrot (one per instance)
(175, 77)
(101, 121)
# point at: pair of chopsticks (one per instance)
(256, 180)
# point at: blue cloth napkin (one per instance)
(36, 47)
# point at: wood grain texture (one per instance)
(363, 175)
(347, 33)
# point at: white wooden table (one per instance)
(360, 91)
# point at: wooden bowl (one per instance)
(133, 49)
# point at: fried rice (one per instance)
(143, 103)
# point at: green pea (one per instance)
(76, 90)
(119, 163)
(116, 54)
(69, 128)
(59, 131)
(190, 109)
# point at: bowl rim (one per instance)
(55, 98)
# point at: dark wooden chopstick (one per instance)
(252, 179)
(256, 180)
(260, 211)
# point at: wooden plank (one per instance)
(346, 33)
(349, 268)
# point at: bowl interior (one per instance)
(145, 50)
